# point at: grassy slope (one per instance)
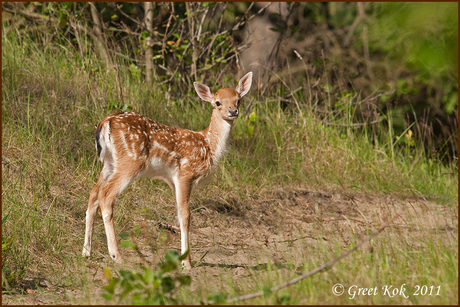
(49, 104)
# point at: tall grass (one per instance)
(51, 101)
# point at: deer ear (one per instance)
(245, 84)
(203, 91)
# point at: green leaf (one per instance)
(140, 286)
(284, 299)
(279, 29)
(128, 244)
(107, 274)
(123, 235)
(156, 283)
(167, 284)
(128, 275)
(250, 130)
(218, 298)
(107, 296)
(328, 87)
(127, 288)
(184, 255)
(148, 276)
(172, 255)
(111, 286)
(266, 290)
(137, 299)
(124, 107)
(4, 218)
(184, 280)
(208, 4)
(168, 266)
(293, 28)
(253, 116)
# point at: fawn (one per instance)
(133, 146)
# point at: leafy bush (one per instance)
(149, 287)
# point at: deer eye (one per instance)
(218, 103)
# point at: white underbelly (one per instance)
(157, 169)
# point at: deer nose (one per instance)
(234, 112)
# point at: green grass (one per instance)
(50, 102)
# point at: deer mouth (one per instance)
(233, 114)
(232, 117)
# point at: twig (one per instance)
(30, 15)
(163, 46)
(306, 72)
(357, 21)
(139, 63)
(129, 17)
(318, 269)
(243, 22)
(172, 228)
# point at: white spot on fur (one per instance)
(125, 145)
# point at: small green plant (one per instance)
(149, 287)
(252, 122)
(118, 106)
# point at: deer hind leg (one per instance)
(108, 193)
(93, 205)
(183, 191)
(91, 215)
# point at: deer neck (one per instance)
(217, 135)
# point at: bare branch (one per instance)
(130, 18)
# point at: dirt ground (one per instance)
(239, 236)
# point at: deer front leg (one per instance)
(183, 190)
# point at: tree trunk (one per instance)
(193, 38)
(149, 7)
(98, 36)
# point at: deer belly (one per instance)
(158, 169)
